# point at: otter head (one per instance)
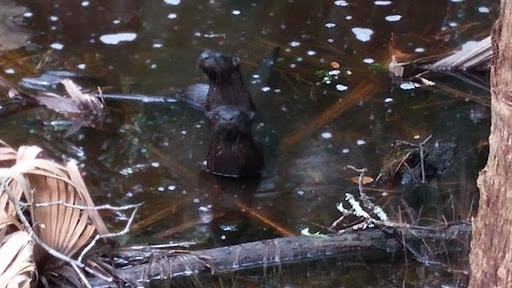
(218, 66)
(230, 122)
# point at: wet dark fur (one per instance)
(232, 151)
(226, 86)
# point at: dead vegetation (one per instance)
(48, 221)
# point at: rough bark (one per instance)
(424, 243)
(491, 247)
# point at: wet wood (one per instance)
(160, 264)
(491, 252)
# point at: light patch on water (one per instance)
(382, 3)
(348, 17)
(114, 39)
(408, 85)
(368, 60)
(453, 24)
(265, 89)
(9, 71)
(57, 46)
(54, 18)
(340, 87)
(155, 164)
(340, 3)
(362, 34)
(81, 66)
(85, 3)
(345, 150)
(330, 25)
(172, 16)
(158, 45)
(388, 100)
(172, 2)
(236, 12)
(360, 142)
(28, 14)
(419, 50)
(277, 90)
(327, 135)
(171, 187)
(117, 21)
(295, 44)
(484, 10)
(393, 18)
(311, 52)
(160, 189)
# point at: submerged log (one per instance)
(161, 264)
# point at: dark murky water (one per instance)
(152, 152)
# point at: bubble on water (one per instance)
(330, 25)
(172, 2)
(85, 3)
(326, 135)
(57, 46)
(54, 18)
(360, 142)
(345, 150)
(311, 52)
(340, 3)
(484, 10)
(368, 60)
(172, 16)
(419, 50)
(28, 14)
(295, 44)
(236, 12)
(382, 3)
(81, 66)
(9, 71)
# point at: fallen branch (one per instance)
(161, 264)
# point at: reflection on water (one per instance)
(324, 106)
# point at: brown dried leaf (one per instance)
(366, 180)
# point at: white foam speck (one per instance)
(362, 34)
(393, 18)
(340, 87)
(172, 2)
(114, 39)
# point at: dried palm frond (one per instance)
(61, 210)
(17, 266)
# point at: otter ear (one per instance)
(236, 61)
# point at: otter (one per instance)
(232, 151)
(225, 84)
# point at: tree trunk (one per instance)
(491, 247)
